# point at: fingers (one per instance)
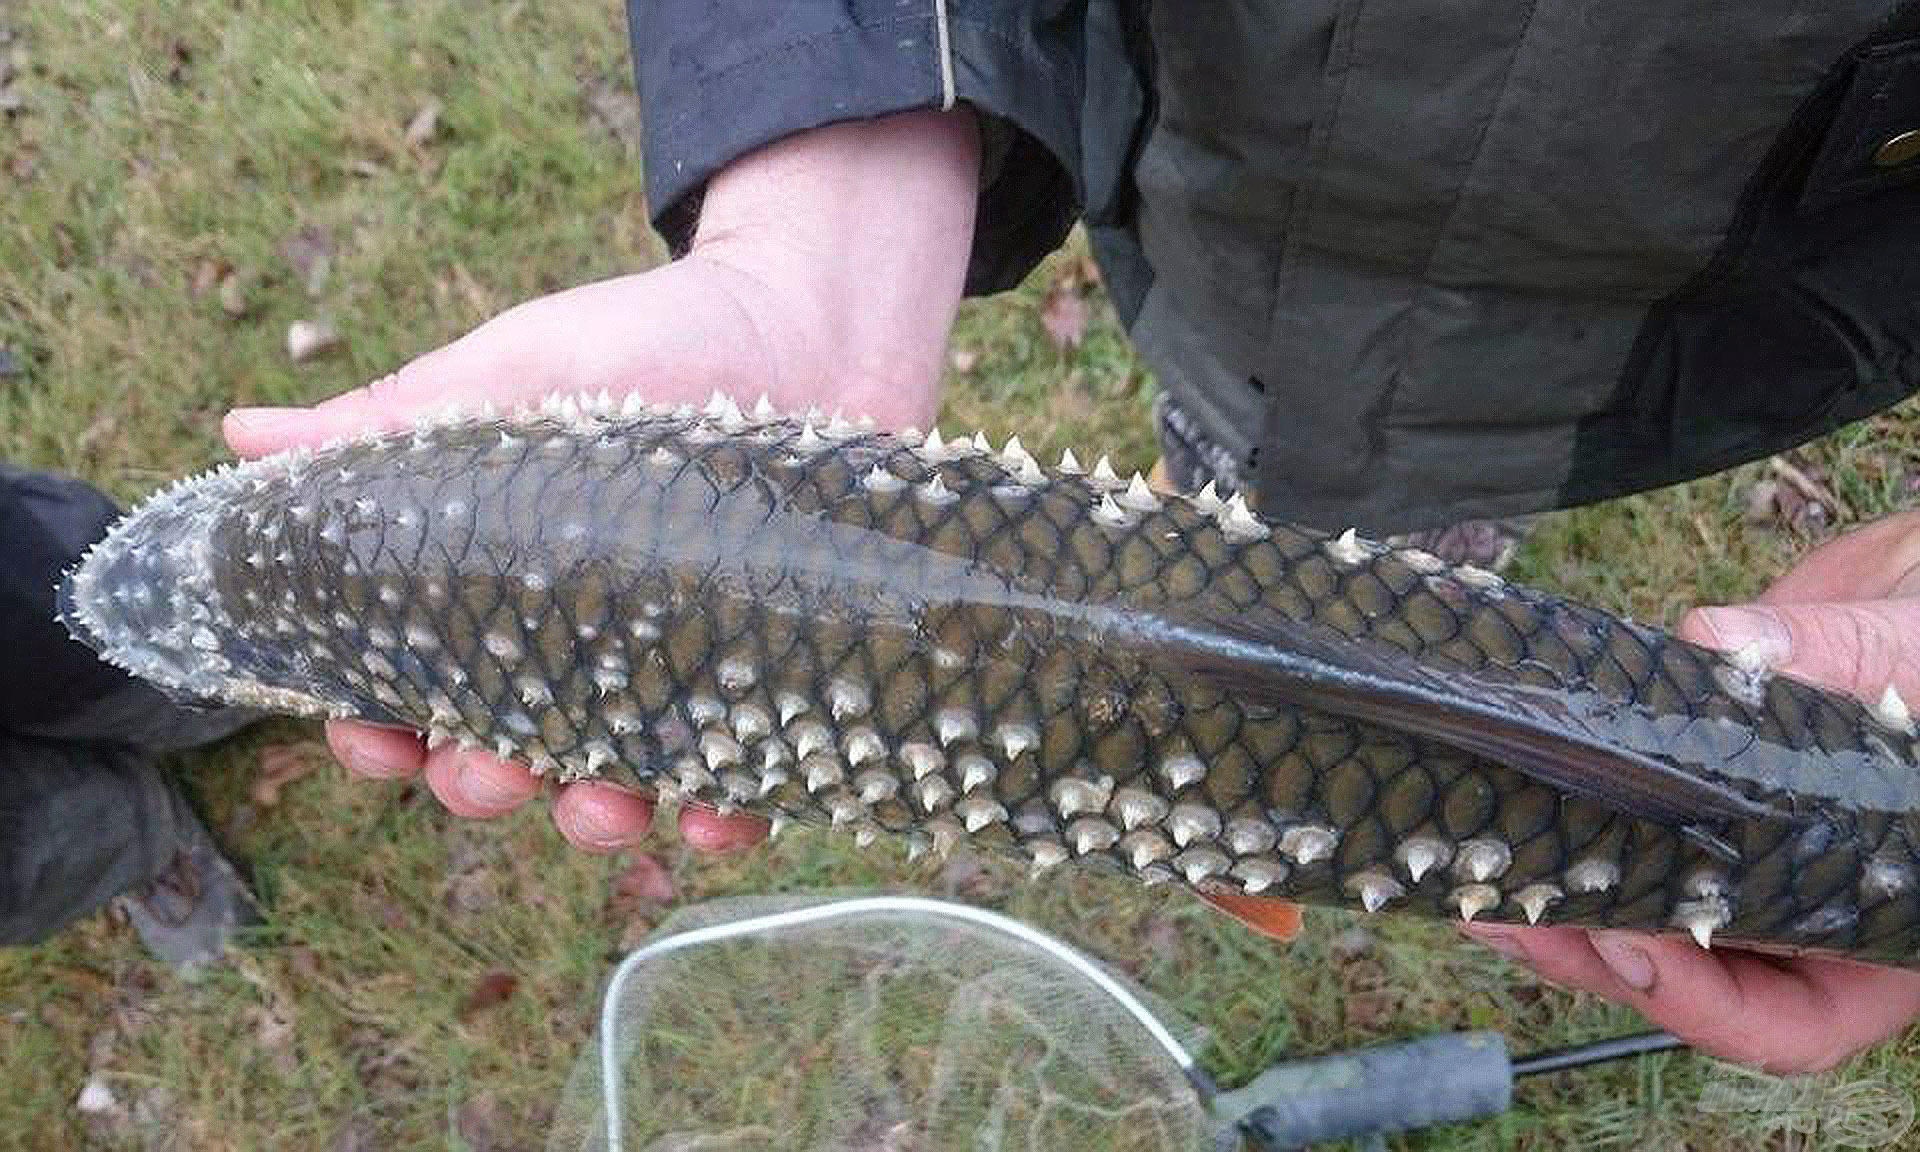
(709, 831)
(1562, 955)
(518, 357)
(592, 815)
(376, 753)
(1870, 563)
(1788, 1016)
(1846, 617)
(490, 364)
(595, 816)
(473, 784)
(483, 366)
(679, 331)
(676, 331)
(1858, 646)
(469, 782)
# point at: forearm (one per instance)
(857, 235)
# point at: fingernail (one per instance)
(485, 788)
(1627, 959)
(1754, 633)
(362, 763)
(1500, 941)
(592, 826)
(600, 836)
(265, 419)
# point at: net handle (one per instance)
(842, 909)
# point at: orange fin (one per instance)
(1279, 919)
(1160, 480)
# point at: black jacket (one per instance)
(1406, 260)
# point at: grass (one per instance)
(181, 182)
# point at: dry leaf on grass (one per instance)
(495, 986)
(1763, 502)
(1810, 481)
(206, 275)
(236, 291)
(1064, 315)
(392, 916)
(613, 104)
(151, 1121)
(478, 1124)
(310, 339)
(1087, 269)
(473, 292)
(310, 251)
(471, 884)
(634, 933)
(1161, 940)
(273, 1032)
(424, 125)
(1367, 1001)
(96, 1097)
(965, 876)
(353, 1135)
(1368, 1011)
(1797, 497)
(1069, 404)
(179, 59)
(1064, 312)
(1351, 943)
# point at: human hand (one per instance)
(826, 273)
(1847, 617)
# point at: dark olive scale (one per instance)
(944, 642)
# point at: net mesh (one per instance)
(881, 1031)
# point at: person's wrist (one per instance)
(848, 246)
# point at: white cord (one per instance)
(946, 55)
(797, 917)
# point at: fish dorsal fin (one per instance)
(1265, 657)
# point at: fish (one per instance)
(942, 641)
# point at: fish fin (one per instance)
(1264, 657)
(1161, 480)
(1276, 919)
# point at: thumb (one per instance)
(1879, 560)
(1858, 647)
(494, 362)
(679, 331)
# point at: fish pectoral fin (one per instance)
(1263, 657)
(1276, 919)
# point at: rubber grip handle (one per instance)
(1441, 1079)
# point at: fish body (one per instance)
(944, 641)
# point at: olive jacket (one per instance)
(1401, 262)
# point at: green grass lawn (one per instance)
(181, 181)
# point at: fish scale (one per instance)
(930, 639)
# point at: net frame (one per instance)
(829, 909)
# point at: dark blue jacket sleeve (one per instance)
(719, 78)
